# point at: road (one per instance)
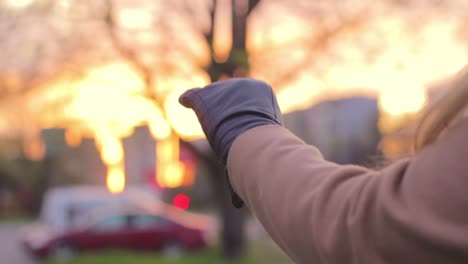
(10, 250)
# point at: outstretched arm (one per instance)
(411, 212)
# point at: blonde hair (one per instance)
(442, 113)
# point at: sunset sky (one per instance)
(308, 50)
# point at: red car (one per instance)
(135, 231)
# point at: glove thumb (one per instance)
(190, 98)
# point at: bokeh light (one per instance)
(181, 201)
(115, 180)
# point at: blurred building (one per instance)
(345, 130)
(140, 156)
(83, 164)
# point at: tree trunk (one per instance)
(233, 238)
(233, 220)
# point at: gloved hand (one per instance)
(228, 108)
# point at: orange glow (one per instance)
(271, 31)
(115, 180)
(112, 154)
(168, 149)
(107, 100)
(73, 138)
(169, 170)
(101, 100)
(182, 119)
(111, 151)
(301, 94)
(399, 71)
(389, 57)
(222, 41)
(398, 74)
(34, 149)
(159, 127)
(167, 84)
(173, 175)
(189, 173)
(400, 99)
(110, 146)
(113, 94)
(119, 74)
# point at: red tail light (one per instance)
(181, 201)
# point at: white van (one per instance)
(65, 207)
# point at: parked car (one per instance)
(85, 219)
(130, 230)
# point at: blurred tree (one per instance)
(236, 64)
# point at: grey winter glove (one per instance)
(228, 108)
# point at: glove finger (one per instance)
(190, 98)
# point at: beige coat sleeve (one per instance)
(320, 212)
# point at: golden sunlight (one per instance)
(398, 75)
(18, 3)
(115, 180)
(173, 175)
(158, 126)
(222, 39)
(183, 120)
(110, 147)
(72, 138)
(34, 149)
(113, 94)
(109, 102)
(133, 18)
(169, 170)
(118, 74)
(304, 92)
(402, 96)
(389, 57)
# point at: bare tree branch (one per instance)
(252, 5)
(125, 52)
(317, 46)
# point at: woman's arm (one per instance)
(328, 213)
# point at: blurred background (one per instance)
(98, 161)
